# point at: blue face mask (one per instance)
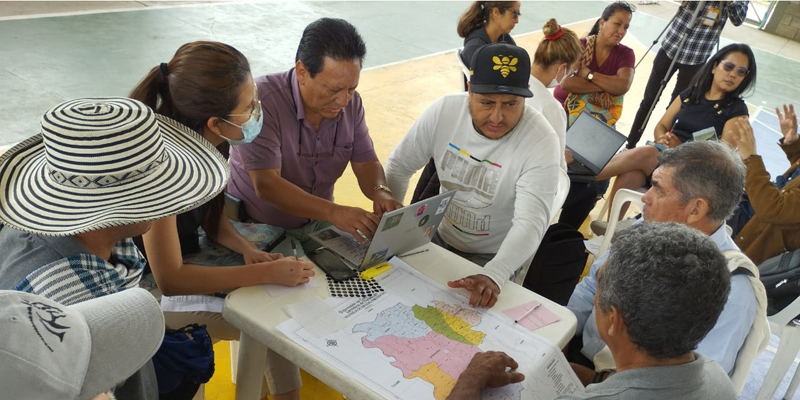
(250, 129)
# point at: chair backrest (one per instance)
(464, 67)
(758, 337)
(620, 198)
(561, 195)
(784, 317)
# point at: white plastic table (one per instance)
(257, 315)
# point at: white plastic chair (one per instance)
(623, 196)
(464, 68)
(561, 195)
(784, 326)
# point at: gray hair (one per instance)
(709, 170)
(669, 282)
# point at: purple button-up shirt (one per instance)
(312, 159)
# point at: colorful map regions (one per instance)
(433, 343)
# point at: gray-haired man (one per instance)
(651, 333)
(697, 184)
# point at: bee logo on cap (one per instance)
(506, 65)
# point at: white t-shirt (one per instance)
(505, 186)
(544, 102)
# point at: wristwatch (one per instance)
(382, 187)
(589, 76)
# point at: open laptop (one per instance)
(592, 143)
(398, 232)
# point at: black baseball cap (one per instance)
(500, 68)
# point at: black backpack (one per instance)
(558, 264)
(781, 278)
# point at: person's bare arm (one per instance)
(731, 124)
(174, 277)
(665, 123)
(613, 84)
(228, 236)
(272, 188)
(370, 175)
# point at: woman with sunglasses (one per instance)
(208, 87)
(708, 108)
(487, 22)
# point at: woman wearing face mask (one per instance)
(553, 62)
(606, 70)
(208, 87)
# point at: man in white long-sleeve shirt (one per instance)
(503, 159)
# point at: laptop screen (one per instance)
(592, 142)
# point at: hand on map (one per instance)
(484, 290)
(487, 369)
(494, 369)
(356, 222)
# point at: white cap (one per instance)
(52, 351)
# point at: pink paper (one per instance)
(540, 317)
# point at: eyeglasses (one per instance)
(729, 66)
(315, 156)
(516, 13)
(256, 107)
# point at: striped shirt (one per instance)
(701, 38)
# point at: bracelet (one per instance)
(382, 187)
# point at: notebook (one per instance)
(592, 144)
(398, 232)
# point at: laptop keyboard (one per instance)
(354, 249)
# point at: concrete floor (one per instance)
(55, 51)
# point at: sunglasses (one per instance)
(516, 13)
(729, 66)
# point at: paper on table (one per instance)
(280, 290)
(192, 303)
(536, 319)
(316, 316)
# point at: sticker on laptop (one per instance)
(378, 256)
(443, 205)
(424, 220)
(429, 231)
(391, 222)
(420, 210)
(328, 234)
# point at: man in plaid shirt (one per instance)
(702, 37)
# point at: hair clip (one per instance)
(558, 34)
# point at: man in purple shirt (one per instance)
(313, 127)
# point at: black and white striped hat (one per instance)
(104, 162)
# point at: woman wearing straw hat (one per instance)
(101, 171)
(195, 88)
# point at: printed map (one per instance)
(413, 341)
